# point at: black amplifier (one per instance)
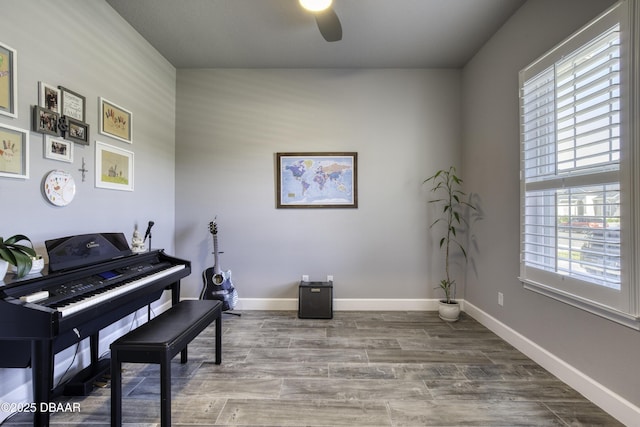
(315, 300)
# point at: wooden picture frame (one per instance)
(58, 149)
(76, 131)
(14, 152)
(46, 121)
(72, 104)
(49, 97)
(317, 180)
(8, 81)
(115, 121)
(114, 167)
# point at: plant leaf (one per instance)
(18, 237)
(24, 263)
(7, 255)
(18, 255)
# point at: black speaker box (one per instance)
(315, 300)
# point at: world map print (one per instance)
(317, 180)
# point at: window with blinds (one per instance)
(572, 129)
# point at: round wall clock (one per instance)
(59, 187)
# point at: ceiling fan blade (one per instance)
(329, 25)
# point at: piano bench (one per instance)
(158, 341)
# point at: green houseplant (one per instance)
(14, 253)
(447, 187)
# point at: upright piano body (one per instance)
(43, 315)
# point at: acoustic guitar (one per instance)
(217, 283)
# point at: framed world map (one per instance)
(317, 180)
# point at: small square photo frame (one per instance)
(72, 104)
(46, 121)
(115, 121)
(8, 81)
(58, 149)
(76, 131)
(49, 97)
(114, 167)
(14, 152)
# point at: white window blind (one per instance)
(572, 126)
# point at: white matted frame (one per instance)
(58, 149)
(14, 152)
(49, 97)
(114, 167)
(115, 121)
(8, 81)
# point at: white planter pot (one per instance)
(4, 265)
(449, 312)
(36, 266)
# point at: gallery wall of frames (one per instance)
(60, 115)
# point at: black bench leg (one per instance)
(116, 391)
(219, 339)
(165, 392)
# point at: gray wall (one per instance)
(85, 46)
(604, 350)
(230, 123)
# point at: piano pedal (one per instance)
(100, 384)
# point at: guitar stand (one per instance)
(232, 313)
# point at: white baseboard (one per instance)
(269, 304)
(617, 406)
(352, 304)
(341, 304)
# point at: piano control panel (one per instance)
(99, 282)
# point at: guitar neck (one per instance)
(216, 263)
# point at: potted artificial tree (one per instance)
(11, 252)
(446, 186)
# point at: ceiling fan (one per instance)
(326, 18)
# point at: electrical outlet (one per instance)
(305, 278)
(500, 299)
(329, 278)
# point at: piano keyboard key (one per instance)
(89, 301)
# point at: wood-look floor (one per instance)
(357, 369)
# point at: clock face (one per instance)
(59, 187)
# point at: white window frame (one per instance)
(623, 305)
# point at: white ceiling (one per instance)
(280, 34)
